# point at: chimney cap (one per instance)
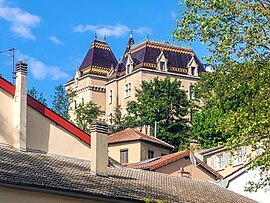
(99, 126)
(21, 66)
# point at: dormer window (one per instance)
(128, 69)
(76, 77)
(162, 62)
(129, 65)
(192, 67)
(192, 70)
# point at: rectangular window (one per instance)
(110, 118)
(192, 70)
(150, 154)
(219, 161)
(124, 156)
(162, 66)
(82, 101)
(75, 104)
(239, 156)
(110, 97)
(191, 92)
(128, 69)
(127, 90)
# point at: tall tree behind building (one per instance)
(38, 96)
(61, 101)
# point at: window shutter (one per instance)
(213, 159)
(225, 159)
(244, 153)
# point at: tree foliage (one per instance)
(231, 29)
(85, 114)
(237, 111)
(61, 101)
(164, 102)
(236, 96)
(120, 122)
(38, 96)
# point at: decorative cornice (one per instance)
(93, 88)
(96, 70)
(99, 45)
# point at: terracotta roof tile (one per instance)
(132, 135)
(51, 173)
(170, 158)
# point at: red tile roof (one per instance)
(170, 158)
(48, 113)
(133, 135)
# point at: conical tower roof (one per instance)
(129, 44)
(99, 59)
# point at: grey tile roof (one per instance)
(58, 173)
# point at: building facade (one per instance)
(130, 146)
(109, 83)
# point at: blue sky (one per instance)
(53, 36)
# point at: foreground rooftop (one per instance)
(36, 171)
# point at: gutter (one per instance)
(67, 193)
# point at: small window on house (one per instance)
(75, 104)
(82, 101)
(128, 69)
(219, 161)
(192, 70)
(127, 90)
(150, 154)
(239, 156)
(162, 66)
(110, 118)
(110, 97)
(124, 156)
(191, 91)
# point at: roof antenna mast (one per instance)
(13, 68)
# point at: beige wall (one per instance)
(44, 134)
(136, 78)
(83, 90)
(196, 172)
(158, 150)
(6, 117)
(20, 196)
(134, 149)
(137, 150)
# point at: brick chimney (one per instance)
(20, 106)
(99, 148)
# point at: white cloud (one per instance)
(143, 31)
(173, 14)
(55, 40)
(21, 22)
(40, 70)
(111, 30)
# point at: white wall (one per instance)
(238, 185)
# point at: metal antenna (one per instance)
(12, 55)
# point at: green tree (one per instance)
(85, 114)
(236, 96)
(36, 95)
(61, 101)
(231, 29)
(164, 102)
(120, 122)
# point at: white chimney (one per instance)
(99, 148)
(20, 106)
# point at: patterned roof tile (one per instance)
(28, 169)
